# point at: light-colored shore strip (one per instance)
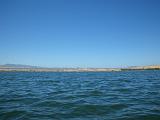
(60, 69)
(7, 69)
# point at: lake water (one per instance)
(127, 95)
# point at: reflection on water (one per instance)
(74, 96)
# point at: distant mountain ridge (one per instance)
(18, 66)
(29, 68)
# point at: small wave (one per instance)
(14, 114)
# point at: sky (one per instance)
(80, 33)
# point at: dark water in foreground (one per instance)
(129, 95)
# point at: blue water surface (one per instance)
(126, 95)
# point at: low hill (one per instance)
(17, 66)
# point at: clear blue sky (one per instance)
(80, 33)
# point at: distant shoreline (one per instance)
(30, 69)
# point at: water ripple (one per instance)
(129, 95)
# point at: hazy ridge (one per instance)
(28, 68)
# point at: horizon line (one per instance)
(38, 66)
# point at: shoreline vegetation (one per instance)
(26, 68)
